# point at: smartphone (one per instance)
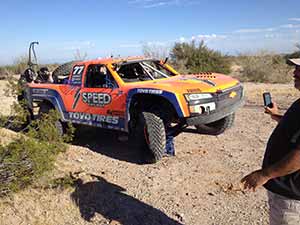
(267, 99)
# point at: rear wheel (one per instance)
(150, 136)
(217, 127)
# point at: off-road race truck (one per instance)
(144, 97)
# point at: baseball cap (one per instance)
(295, 61)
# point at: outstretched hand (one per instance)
(254, 180)
(272, 111)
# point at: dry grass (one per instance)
(282, 94)
(263, 67)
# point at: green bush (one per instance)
(24, 160)
(28, 157)
(195, 58)
(263, 67)
(33, 152)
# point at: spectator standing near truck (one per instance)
(280, 170)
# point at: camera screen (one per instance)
(267, 99)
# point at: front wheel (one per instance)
(150, 136)
(217, 127)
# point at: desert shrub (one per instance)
(4, 73)
(263, 67)
(197, 57)
(19, 65)
(24, 160)
(33, 152)
(28, 157)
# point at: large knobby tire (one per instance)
(217, 127)
(62, 72)
(150, 136)
(59, 125)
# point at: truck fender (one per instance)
(51, 96)
(170, 97)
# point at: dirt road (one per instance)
(198, 186)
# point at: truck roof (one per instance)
(116, 60)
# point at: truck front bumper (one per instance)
(225, 105)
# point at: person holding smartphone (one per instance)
(280, 172)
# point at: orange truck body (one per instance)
(196, 98)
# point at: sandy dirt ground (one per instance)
(197, 186)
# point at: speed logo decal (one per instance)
(96, 99)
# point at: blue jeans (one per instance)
(170, 150)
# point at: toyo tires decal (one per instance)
(97, 120)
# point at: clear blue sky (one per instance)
(101, 27)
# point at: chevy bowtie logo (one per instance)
(232, 94)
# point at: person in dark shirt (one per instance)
(280, 173)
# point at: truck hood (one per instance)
(192, 83)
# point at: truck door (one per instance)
(99, 102)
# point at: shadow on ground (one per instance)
(111, 202)
(108, 143)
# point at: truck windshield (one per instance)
(142, 71)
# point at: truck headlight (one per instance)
(195, 97)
